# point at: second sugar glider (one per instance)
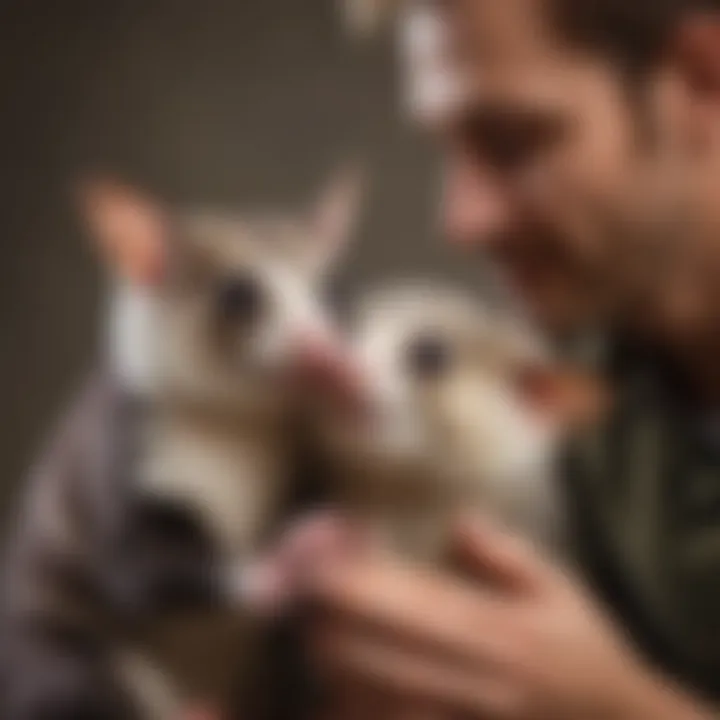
(464, 410)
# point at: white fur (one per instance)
(227, 466)
(298, 317)
(231, 475)
(132, 337)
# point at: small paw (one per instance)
(283, 573)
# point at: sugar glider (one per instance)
(127, 562)
(465, 408)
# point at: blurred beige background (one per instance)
(225, 101)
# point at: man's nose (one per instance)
(475, 208)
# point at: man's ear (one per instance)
(335, 217)
(130, 229)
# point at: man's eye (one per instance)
(240, 299)
(507, 153)
(428, 357)
(508, 141)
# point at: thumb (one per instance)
(501, 558)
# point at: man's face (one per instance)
(580, 193)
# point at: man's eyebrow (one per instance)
(497, 116)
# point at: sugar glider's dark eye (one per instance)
(241, 299)
(428, 356)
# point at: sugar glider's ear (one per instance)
(335, 216)
(129, 228)
(575, 398)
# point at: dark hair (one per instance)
(633, 34)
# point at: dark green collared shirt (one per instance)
(644, 493)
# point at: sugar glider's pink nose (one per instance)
(327, 368)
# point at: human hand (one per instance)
(526, 642)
